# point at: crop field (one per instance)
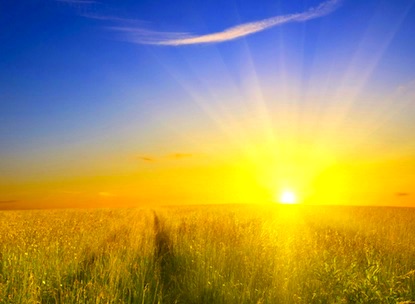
(208, 254)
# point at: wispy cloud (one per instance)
(111, 18)
(177, 156)
(147, 158)
(401, 194)
(8, 202)
(146, 36)
(172, 156)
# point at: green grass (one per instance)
(208, 254)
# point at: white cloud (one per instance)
(145, 36)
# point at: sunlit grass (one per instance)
(226, 254)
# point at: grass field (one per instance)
(208, 254)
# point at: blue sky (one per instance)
(84, 85)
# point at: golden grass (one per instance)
(208, 254)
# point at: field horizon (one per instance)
(14, 206)
(208, 254)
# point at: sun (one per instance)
(287, 197)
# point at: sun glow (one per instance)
(287, 197)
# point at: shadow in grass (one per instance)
(139, 284)
(173, 270)
(163, 254)
(171, 267)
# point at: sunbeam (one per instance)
(258, 97)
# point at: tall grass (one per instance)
(208, 254)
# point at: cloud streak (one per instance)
(177, 156)
(8, 202)
(172, 156)
(146, 36)
(401, 194)
(146, 158)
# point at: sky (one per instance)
(130, 103)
